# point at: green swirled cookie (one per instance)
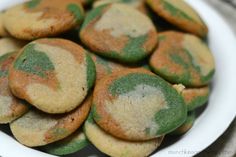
(116, 147)
(54, 75)
(119, 32)
(137, 105)
(10, 107)
(137, 4)
(9, 45)
(69, 145)
(183, 58)
(186, 126)
(180, 14)
(36, 128)
(3, 31)
(42, 18)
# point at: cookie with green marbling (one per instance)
(119, 32)
(42, 18)
(186, 126)
(137, 4)
(10, 107)
(36, 128)
(9, 45)
(69, 145)
(54, 75)
(113, 146)
(180, 14)
(104, 66)
(137, 105)
(195, 97)
(3, 31)
(183, 58)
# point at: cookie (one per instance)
(195, 97)
(3, 32)
(42, 18)
(186, 126)
(137, 105)
(119, 32)
(10, 107)
(69, 145)
(104, 66)
(180, 14)
(54, 75)
(9, 45)
(183, 58)
(36, 128)
(137, 4)
(116, 147)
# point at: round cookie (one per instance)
(183, 58)
(180, 14)
(195, 97)
(186, 126)
(69, 145)
(54, 75)
(105, 67)
(119, 32)
(137, 105)
(9, 45)
(116, 147)
(36, 128)
(42, 18)
(3, 32)
(10, 107)
(137, 4)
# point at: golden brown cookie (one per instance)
(36, 128)
(137, 105)
(10, 107)
(183, 58)
(116, 147)
(119, 32)
(42, 18)
(52, 74)
(180, 14)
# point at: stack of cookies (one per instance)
(78, 72)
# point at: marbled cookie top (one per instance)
(180, 14)
(54, 75)
(42, 18)
(119, 32)
(137, 105)
(183, 58)
(36, 128)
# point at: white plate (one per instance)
(215, 119)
